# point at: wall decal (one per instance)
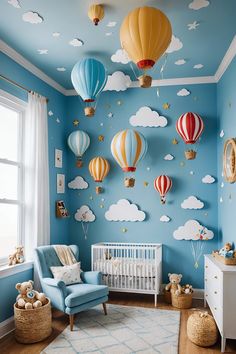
(60, 183)
(169, 157)
(198, 4)
(166, 106)
(222, 185)
(119, 103)
(191, 173)
(182, 163)
(50, 113)
(145, 183)
(165, 218)
(175, 45)
(42, 51)
(208, 179)
(101, 138)
(90, 197)
(146, 117)
(175, 141)
(78, 142)
(198, 66)
(58, 120)
(222, 133)
(78, 183)
(193, 26)
(123, 210)
(101, 206)
(192, 203)
(58, 158)
(118, 81)
(180, 62)
(108, 34)
(120, 56)
(75, 122)
(56, 34)
(32, 17)
(162, 185)
(85, 215)
(62, 69)
(110, 115)
(124, 229)
(76, 42)
(111, 24)
(221, 200)
(101, 124)
(183, 92)
(148, 168)
(15, 3)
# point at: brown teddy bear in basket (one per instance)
(29, 298)
(174, 284)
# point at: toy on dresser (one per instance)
(227, 251)
(226, 254)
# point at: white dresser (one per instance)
(220, 294)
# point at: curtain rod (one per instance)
(18, 85)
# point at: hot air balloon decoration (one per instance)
(190, 126)
(128, 147)
(96, 13)
(89, 77)
(99, 168)
(163, 184)
(145, 34)
(78, 142)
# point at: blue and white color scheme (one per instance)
(78, 142)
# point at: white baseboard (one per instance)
(7, 326)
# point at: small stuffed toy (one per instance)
(187, 289)
(174, 284)
(227, 251)
(29, 298)
(17, 257)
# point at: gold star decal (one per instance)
(145, 183)
(124, 230)
(175, 141)
(101, 138)
(75, 122)
(166, 105)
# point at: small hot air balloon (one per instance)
(145, 34)
(163, 184)
(78, 142)
(190, 126)
(96, 13)
(99, 168)
(89, 77)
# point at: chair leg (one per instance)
(104, 308)
(71, 322)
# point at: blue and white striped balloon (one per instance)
(78, 142)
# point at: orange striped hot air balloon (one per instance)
(99, 168)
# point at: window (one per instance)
(11, 175)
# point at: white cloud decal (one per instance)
(111, 24)
(198, 66)
(118, 81)
(84, 214)
(146, 117)
(169, 157)
(123, 210)
(14, 3)
(192, 230)
(175, 45)
(78, 183)
(180, 62)
(208, 179)
(192, 203)
(76, 42)
(42, 51)
(183, 92)
(198, 4)
(61, 69)
(56, 34)
(164, 218)
(120, 56)
(222, 133)
(32, 17)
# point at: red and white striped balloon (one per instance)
(190, 127)
(163, 184)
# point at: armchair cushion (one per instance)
(79, 294)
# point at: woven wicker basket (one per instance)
(34, 325)
(182, 301)
(190, 154)
(145, 81)
(226, 261)
(167, 296)
(89, 111)
(201, 329)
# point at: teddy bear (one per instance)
(174, 284)
(29, 298)
(17, 256)
(227, 251)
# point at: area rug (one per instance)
(124, 330)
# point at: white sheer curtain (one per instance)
(36, 191)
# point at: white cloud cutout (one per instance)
(208, 179)
(175, 45)
(85, 214)
(78, 183)
(169, 157)
(180, 62)
(198, 66)
(198, 4)
(61, 69)
(42, 51)
(164, 218)
(146, 117)
(76, 42)
(108, 34)
(183, 92)
(50, 113)
(192, 230)
(118, 81)
(120, 56)
(123, 210)
(222, 133)
(56, 34)
(14, 3)
(32, 17)
(111, 24)
(192, 203)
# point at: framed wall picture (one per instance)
(60, 183)
(58, 158)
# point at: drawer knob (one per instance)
(215, 292)
(215, 277)
(215, 308)
(205, 279)
(206, 295)
(206, 267)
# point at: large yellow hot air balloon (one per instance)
(145, 34)
(99, 168)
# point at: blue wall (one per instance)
(226, 102)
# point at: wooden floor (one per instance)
(8, 345)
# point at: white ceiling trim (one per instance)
(229, 56)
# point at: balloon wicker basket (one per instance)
(129, 182)
(79, 163)
(145, 81)
(190, 154)
(89, 111)
(98, 190)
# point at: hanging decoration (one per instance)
(96, 13)
(78, 142)
(85, 215)
(89, 77)
(163, 184)
(190, 126)
(128, 147)
(145, 34)
(99, 168)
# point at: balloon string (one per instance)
(163, 66)
(133, 70)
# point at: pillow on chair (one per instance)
(70, 274)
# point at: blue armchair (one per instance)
(74, 298)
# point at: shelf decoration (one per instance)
(96, 13)
(99, 169)
(165, 218)
(60, 183)
(229, 160)
(146, 117)
(61, 211)
(162, 185)
(124, 210)
(192, 203)
(78, 183)
(118, 81)
(85, 215)
(78, 142)
(58, 158)
(208, 179)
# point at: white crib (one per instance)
(129, 267)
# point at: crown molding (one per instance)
(229, 56)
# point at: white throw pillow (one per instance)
(70, 274)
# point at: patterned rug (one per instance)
(124, 330)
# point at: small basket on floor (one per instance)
(182, 301)
(167, 296)
(32, 326)
(201, 329)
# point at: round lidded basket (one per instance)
(34, 325)
(182, 301)
(201, 329)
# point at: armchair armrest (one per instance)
(91, 277)
(56, 283)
